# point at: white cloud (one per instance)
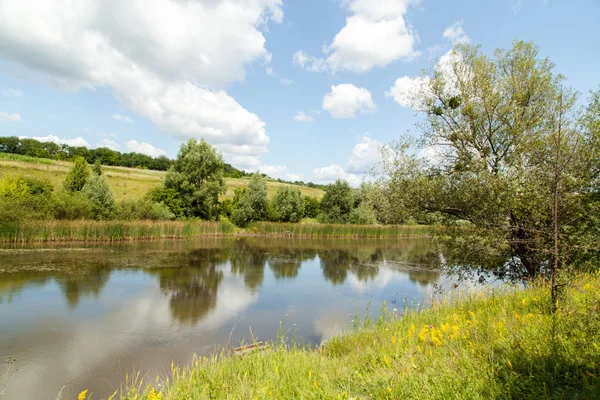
(155, 55)
(375, 35)
(302, 117)
(6, 117)
(11, 92)
(78, 141)
(286, 81)
(409, 92)
(111, 144)
(345, 100)
(122, 118)
(294, 177)
(412, 92)
(364, 155)
(144, 148)
(334, 172)
(456, 34)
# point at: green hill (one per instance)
(127, 183)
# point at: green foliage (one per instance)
(288, 204)
(337, 203)
(169, 197)
(312, 207)
(77, 176)
(97, 168)
(197, 177)
(362, 215)
(100, 196)
(71, 206)
(512, 147)
(253, 203)
(142, 209)
(13, 187)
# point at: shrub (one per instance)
(253, 204)
(143, 209)
(337, 203)
(71, 206)
(312, 207)
(100, 196)
(169, 197)
(363, 215)
(77, 176)
(288, 204)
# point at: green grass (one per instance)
(87, 230)
(496, 344)
(127, 183)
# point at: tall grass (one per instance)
(498, 344)
(332, 230)
(53, 231)
(56, 231)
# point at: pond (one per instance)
(84, 316)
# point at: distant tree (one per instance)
(253, 204)
(9, 144)
(77, 175)
(100, 196)
(312, 207)
(337, 203)
(197, 176)
(288, 204)
(97, 168)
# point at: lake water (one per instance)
(83, 316)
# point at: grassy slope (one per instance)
(501, 344)
(127, 183)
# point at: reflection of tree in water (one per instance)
(11, 284)
(424, 277)
(335, 264)
(193, 289)
(88, 283)
(249, 262)
(286, 263)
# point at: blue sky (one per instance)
(295, 88)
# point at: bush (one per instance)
(143, 209)
(100, 196)
(337, 203)
(253, 203)
(312, 207)
(71, 206)
(288, 204)
(363, 215)
(77, 176)
(169, 197)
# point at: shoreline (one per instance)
(54, 231)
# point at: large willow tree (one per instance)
(511, 150)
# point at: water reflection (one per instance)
(82, 316)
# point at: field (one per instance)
(503, 343)
(127, 183)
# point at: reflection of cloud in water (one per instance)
(380, 281)
(142, 322)
(331, 322)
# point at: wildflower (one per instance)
(411, 331)
(389, 389)
(423, 334)
(386, 361)
(82, 395)
(154, 395)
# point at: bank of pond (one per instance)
(90, 230)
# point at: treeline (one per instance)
(64, 152)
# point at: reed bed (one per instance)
(343, 231)
(94, 231)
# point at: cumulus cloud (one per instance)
(345, 100)
(333, 172)
(302, 117)
(144, 148)
(294, 177)
(111, 144)
(375, 34)
(456, 34)
(11, 92)
(77, 142)
(277, 172)
(364, 155)
(7, 117)
(122, 118)
(411, 92)
(155, 56)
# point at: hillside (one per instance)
(127, 183)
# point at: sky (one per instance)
(298, 89)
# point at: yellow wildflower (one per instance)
(154, 395)
(423, 334)
(82, 395)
